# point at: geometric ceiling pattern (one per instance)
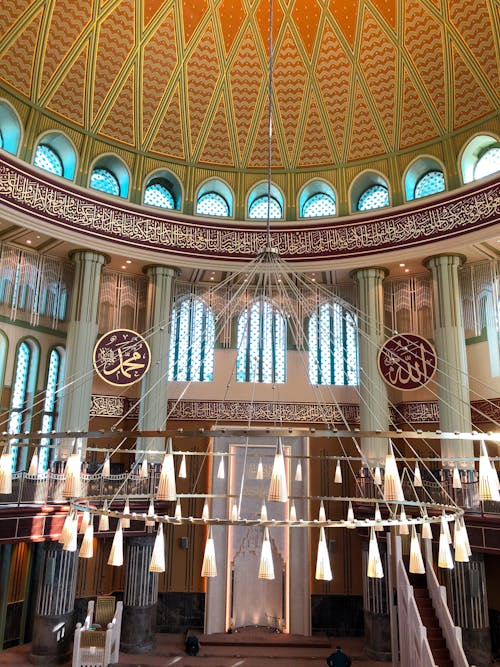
(187, 80)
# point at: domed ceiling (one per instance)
(186, 80)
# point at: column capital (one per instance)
(79, 254)
(454, 259)
(377, 272)
(160, 270)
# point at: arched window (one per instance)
(259, 208)
(376, 196)
(261, 344)
(23, 388)
(1, 139)
(333, 346)
(158, 193)
(192, 339)
(47, 158)
(429, 184)
(104, 180)
(488, 163)
(319, 205)
(50, 405)
(212, 203)
(10, 128)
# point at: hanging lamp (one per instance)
(266, 567)
(278, 489)
(323, 566)
(166, 484)
(157, 563)
(209, 566)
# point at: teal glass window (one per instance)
(319, 205)
(262, 344)
(376, 196)
(47, 159)
(488, 163)
(192, 341)
(50, 404)
(258, 208)
(1, 139)
(333, 346)
(19, 417)
(430, 183)
(158, 194)
(105, 181)
(212, 203)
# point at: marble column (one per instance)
(374, 408)
(154, 390)
(140, 596)
(53, 621)
(80, 341)
(452, 376)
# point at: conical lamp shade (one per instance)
(72, 486)
(106, 467)
(377, 476)
(144, 469)
(166, 485)
(178, 510)
(321, 513)
(457, 482)
(71, 538)
(374, 570)
(350, 517)
(66, 529)
(209, 566)
(263, 512)
(298, 472)
(221, 472)
(234, 512)
(488, 477)
(266, 567)
(116, 553)
(293, 512)
(392, 483)
(260, 470)
(6, 472)
(446, 528)
(157, 563)
(126, 510)
(445, 558)
(87, 548)
(403, 528)
(417, 476)
(338, 474)
(33, 469)
(278, 489)
(205, 515)
(85, 522)
(103, 519)
(149, 516)
(378, 517)
(465, 536)
(182, 467)
(323, 567)
(460, 543)
(426, 531)
(416, 560)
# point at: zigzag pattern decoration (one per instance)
(416, 124)
(68, 20)
(11, 11)
(169, 138)
(217, 149)
(315, 145)
(259, 156)
(118, 123)
(378, 60)
(159, 61)
(246, 78)
(365, 138)
(423, 39)
(470, 102)
(68, 100)
(116, 37)
(289, 81)
(16, 63)
(203, 72)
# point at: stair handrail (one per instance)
(451, 632)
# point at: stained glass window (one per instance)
(333, 346)
(258, 209)
(376, 196)
(488, 163)
(46, 158)
(18, 417)
(192, 339)
(261, 344)
(49, 415)
(319, 205)
(158, 194)
(103, 180)
(429, 184)
(212, 203)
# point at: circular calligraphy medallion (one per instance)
(121, 357)
(407, 361)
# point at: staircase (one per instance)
(435, 637)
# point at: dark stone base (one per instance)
(180, 612)
(477, 646)
(52, 639)
(337, 615)
(378, 636)
(138, 629)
